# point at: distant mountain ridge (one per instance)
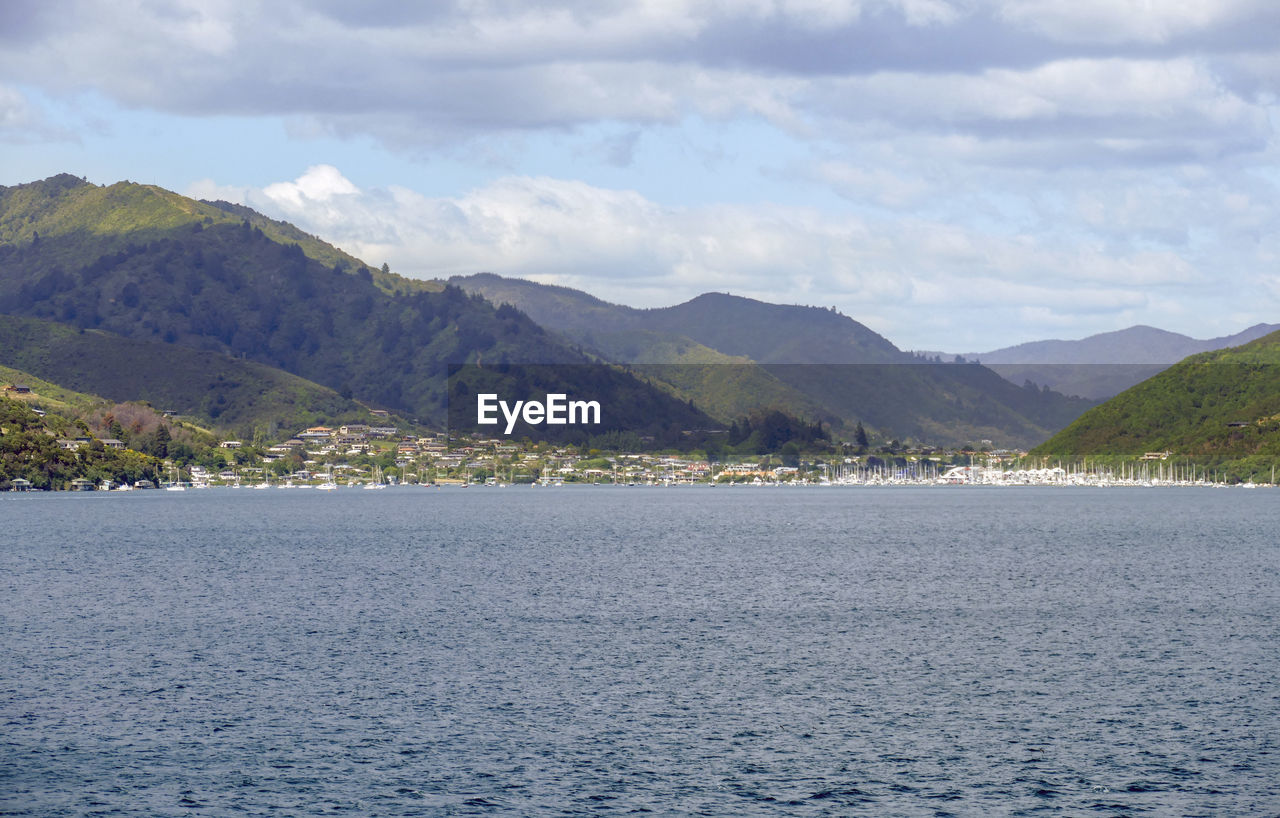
(726, 350)
(1139, 344)
(1103, 365)
(156, 267)
(727, 323)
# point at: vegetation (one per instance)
(245, 399)
(153, 266)
(631, 410)
(1221, 406)
(30, 450)
(732, 355)
(770, 432)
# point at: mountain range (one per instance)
(731, 354)
(142, 263)
(1108, 363)
(134, 292)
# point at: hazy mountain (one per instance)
(1135, 345)
(1224, 403)
(812, 361)
(729, 324)
(1105, 364)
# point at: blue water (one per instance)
(913, 651)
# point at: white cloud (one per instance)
(911, 278)
(15, 112)
(1126, 21)
(1111, 106)
(319, 184)
(434, 75)
(878, 184)
(1106, 157)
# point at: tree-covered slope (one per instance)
(1222, 403)
(111, 217)
(241, 397)
(150, 265)
(729, 324)
(731, 355)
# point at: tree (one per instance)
(160, 448)
(860, 435)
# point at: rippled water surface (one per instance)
(946, 651)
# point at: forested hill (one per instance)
(247, 399)
(730, 324)
(111, 217)
(727, 351)
(1222, 403)
(149, 264)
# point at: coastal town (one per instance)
(130, 447)
(369, 456)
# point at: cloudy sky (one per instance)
(956, 174)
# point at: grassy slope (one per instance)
(48, 395)
(221, 391)
(1188, 409)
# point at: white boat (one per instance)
(174, 484)
(329, 483)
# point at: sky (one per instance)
(958, 175)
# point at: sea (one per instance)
(602, 650)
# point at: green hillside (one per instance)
(238, 396)
(728, 324)
(116, 216)
(1215, 404)
(321, 251)
(30, 452)
(45, 394)
(149, 265)
(734, 355)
